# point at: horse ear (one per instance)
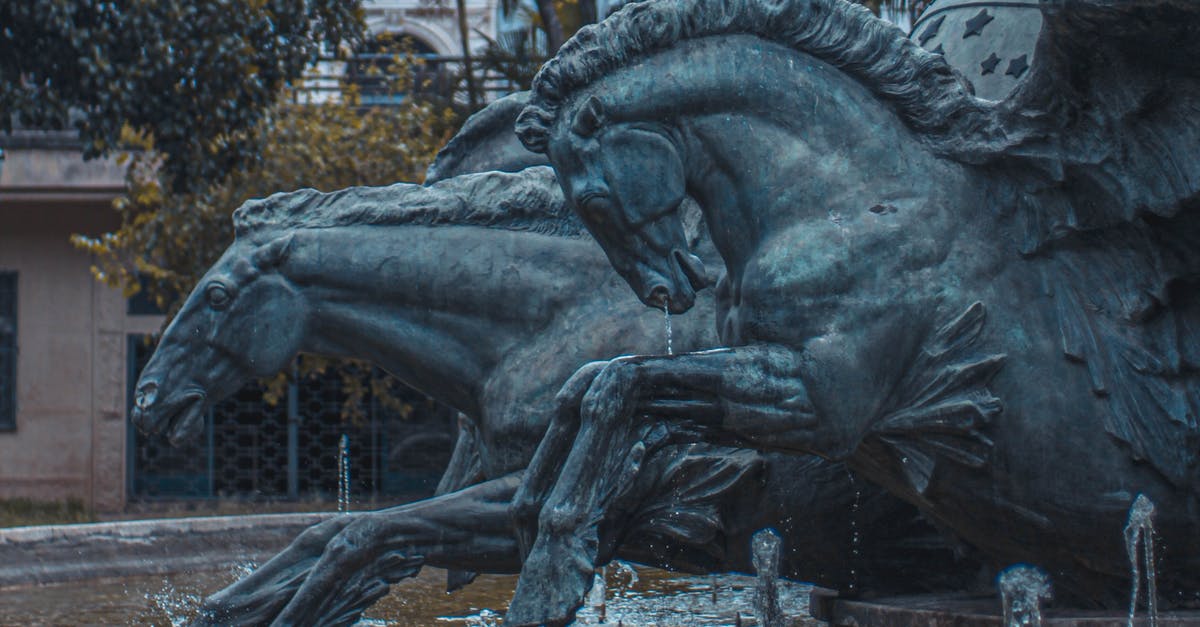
(273, 253)
(589, 118)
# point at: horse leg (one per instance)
(465, 469)
(543, 468)
(751, 393)
(338, 568)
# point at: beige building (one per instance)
(62, 373)
(65, 339)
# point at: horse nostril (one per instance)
(146, 394)
(659, 296)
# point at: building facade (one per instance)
(62, 334)
(69, 346)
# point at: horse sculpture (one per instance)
(988, 308)
(481, 291)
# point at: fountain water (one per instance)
(1022, 590)
(344, 475)
(667, 314)
(855, 534)
(1140, 528)
(598, 594)
(765, 548)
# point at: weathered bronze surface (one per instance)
(987, 307)
(484, 291)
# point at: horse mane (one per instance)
(529, 200)
(489, 124)
(929, 95)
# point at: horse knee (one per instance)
(573, 390)
(524, 510)
(319, 534)
(355, 541)
(560, 521)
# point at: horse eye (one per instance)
(218, 296)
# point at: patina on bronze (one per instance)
(484, 291)
(988, 307)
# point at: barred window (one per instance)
(8, 351)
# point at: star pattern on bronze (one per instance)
(975, 25)
(1017, 67)
(989, 64)
(932, 30)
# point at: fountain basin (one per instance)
(61, 553)
(961, 610)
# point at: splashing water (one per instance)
(1141, 528)
(344, 475)
(597, 595)
(175, 605)
(765, 548)
(667, 314)
(1022, 590)
(629, 573)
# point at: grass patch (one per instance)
(25, 512)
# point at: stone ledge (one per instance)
(58, 553)
(956, 610)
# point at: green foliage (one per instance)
(515, 56)
(167, 240)
(195, 75)
(25, 512)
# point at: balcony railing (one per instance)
(437, 76)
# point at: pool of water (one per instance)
(634, 597)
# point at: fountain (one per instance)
(1140, 531)
(1023, 589)
(343, 497)
(924, 302)
(986, 307)
(698, 500)
(765, 545)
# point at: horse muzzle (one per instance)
(181, 418)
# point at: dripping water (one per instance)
(1140, 529)
(344, 475)
(765, 555)
(667, 315)
(598, 594)
(1022, 590)
(855, 535)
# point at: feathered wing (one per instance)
(1109, 210)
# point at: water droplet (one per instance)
(344, 475)
(1022, 590)
(1140, 529)
(667, 314)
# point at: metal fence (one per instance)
(252, 450)
(439, 76)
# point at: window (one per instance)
(140, 304)
(372, 66)
(8, 351)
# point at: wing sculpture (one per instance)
(1105, 139)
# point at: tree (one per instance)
(168, 239)
(196, 76)
(517, 56)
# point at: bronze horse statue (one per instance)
(483, 291)
(989, 308)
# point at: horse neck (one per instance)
(436, 306)
(769, 136)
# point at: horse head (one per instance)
(626, 181)
(243, 319)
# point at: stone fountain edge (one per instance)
(61, 553)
